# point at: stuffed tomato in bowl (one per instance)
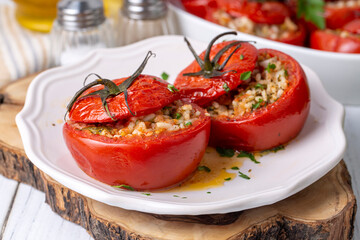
(265, 105)
(329, 65)
(135, 133)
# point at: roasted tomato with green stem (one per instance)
(124, 141)
(216, 71)
(268, 111)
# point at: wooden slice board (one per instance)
(324, 210)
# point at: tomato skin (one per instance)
(200, 8)
(296, 38)
(333, 42)
(337, 17)
(143, 163)
(146, 95)
(272, 125)
(202, 90)
(266, 12)
(353, 26)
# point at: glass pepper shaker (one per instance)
(80, 26)
(140, 19)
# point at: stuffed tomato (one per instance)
(345, 40)
(139, 136)
(267, 111)
(271, 20)
(267, 107)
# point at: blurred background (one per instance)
(323, 34)
(27, 32)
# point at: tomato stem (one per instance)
(110, 88)
(208, 64)
(211, 68)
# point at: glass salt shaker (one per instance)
(79, 28)
(141, 19)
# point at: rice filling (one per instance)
(171, 118)
(268, 82)
(341, 4)
(246, 25)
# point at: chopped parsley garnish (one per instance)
(97, 130)
(235, 168)
(165, 76)
(227, 179)
(208, 192)
(223, 152)
(248, 155)
(245, 75)
(286, 73)
(275, 149)
(226, 87)
(177, 115)
(312, 11)
(241, 57)
(146, 194)
(257, 105)
(243, 175)
(179, 196)
(270, 67)
(125, 187)
(204, 168)
(172, 88)
(259, 85)
(188, 124)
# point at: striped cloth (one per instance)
(22, 52)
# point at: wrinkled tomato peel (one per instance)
(146, 95)
(201, 90)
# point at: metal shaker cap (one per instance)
(144, 9)
(77, 14)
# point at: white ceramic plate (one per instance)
(339, 72)
(318, 148)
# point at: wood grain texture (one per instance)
(325, 210)
(32, 219)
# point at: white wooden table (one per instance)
(25, 215)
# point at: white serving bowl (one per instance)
(339, 72)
